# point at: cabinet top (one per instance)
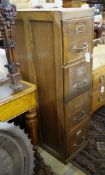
(64, 13)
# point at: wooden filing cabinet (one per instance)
(59, 39)
(98, 78)
(98, 88)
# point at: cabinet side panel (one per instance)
(21, 52)
(43, 54)
(24, 50)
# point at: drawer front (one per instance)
(77, 79)
(77, 138)
(72, 4)
(98, 100)
(98, 78)
(77, 38)
(77, 110)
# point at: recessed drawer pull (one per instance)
(83, 141)
(82, 116)
(80, 28)
(78, 49)
(100, 99)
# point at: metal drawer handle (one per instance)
(80, 28)
(100, 99)
(78, 49)
(81, 71)
(78, 86)
(101, 79)
(84, 139)
(84, 84)
(82, 116)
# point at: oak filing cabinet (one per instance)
(98, 78)
(62, 46)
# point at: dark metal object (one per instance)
(7, 21)
(16, 151)
(99, 41)
(94, 2)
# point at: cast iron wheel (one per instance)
(16, 151)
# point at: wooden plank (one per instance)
(29, 47)
(38, 15)
(58, 56)
(21, 49)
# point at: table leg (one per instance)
(32, 124)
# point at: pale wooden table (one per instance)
(12, 105)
